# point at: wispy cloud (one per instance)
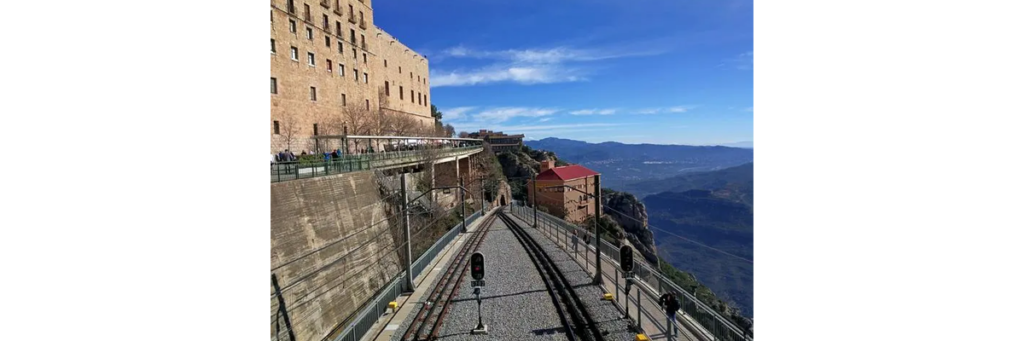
(593, 112)
(676, 109)
(527, 66)
(744, 60)
(537, 74)
(455, 113)
(544, 119)
(498, 115)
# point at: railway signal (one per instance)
(476, 266)
(626, 258)
(476, 263)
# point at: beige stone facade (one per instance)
(357, 69)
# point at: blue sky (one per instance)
(638, 71)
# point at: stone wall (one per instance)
(326, 253)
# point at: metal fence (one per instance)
(284, 171)
(714, 325)
(377, 305)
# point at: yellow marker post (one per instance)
(608, 296)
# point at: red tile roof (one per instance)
(566, 173)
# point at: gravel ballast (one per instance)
(516, 304)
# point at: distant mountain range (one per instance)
(621, 163)
(714, 209)
(739, 179)
(742, 144)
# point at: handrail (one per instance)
(646, 270)
(292, 170)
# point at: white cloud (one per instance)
(527, 66)
(544, 119)
(744, 60)
(527, 128)
(455, 113)
(457, 51)
(593, 112)
(516, 74)
(675, 109)
(498, 115)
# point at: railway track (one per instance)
(578, 323)
(427, 323)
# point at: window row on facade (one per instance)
(312, 93)
(292, 28)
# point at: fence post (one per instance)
(462, 190)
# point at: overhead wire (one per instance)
(543, 194)
(332, 243)
(358, 272)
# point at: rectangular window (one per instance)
(305, 14)
(330, 66)
(295, 54)
(401, 92)
(312, 94)
(341, 69)
(410, 75)
(356, 72)
(341, 48)
(337, 28)
(291, 6)
(366, 78)
(387, 89)
(362, 40)
(417, 78)
(326, 23)
(425, 103)
(399, 70)
(315, 130)
(327, 40)
(312, 58)
(411, 99)
(343, 100)
(352, 32)
(367, 104)
(273, 85)
(291, 26)
(273, 46)
(354, 55)
(364, 58)
(277, 128)
(385, 63)
(419, 98)
(309, 33)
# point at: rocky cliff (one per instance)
(631, 214)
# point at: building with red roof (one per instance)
(572, 205)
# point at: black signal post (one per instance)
(476, 269)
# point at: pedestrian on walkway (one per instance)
(575, 240)
(671, 305)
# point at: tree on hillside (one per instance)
(449, 130)
(463, 134)
(436, 114)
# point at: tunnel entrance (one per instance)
(503, 203)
